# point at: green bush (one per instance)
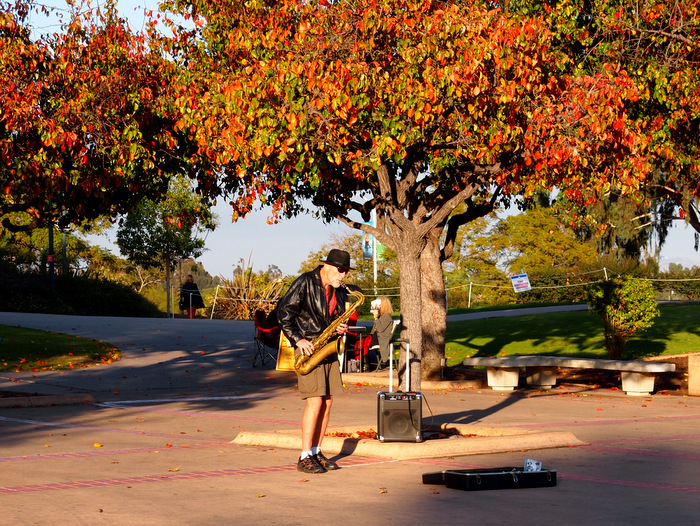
(625, 305)
(32, 292)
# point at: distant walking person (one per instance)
(190, 298)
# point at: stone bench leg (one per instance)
(637, 384)
(502, 378)
(694, 375)
(541, 377)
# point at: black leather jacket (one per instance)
(303, 311)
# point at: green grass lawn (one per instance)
(575, 334)
(23, 349)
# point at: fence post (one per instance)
(213, 307)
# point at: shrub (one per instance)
(31, 292)
(247, 292)
(625, 305)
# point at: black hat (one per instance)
(338, 258)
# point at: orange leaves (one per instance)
(81, 110)
(473, 84)
(304, 27)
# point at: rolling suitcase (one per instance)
(399, 414)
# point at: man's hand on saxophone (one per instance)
(342, 329)
(306, 347)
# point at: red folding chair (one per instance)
(267, 340)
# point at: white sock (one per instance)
(305, 454)
(315, 450)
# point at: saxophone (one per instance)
(323, 344)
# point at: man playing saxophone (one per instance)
(309, 307)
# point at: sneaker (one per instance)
(310, 465)
(325, 463)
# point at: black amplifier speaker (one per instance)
(399, 417)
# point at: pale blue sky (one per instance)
(288, 243)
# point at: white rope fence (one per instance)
(393, 292)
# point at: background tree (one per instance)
(679, 283)
(407, 108)
(157, 234)
(28, 250)
(625, 232)
(472, 274)
(535, 241)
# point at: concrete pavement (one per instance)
(154, 444)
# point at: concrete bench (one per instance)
(541, 371)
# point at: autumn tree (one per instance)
(404, 107)
(657, 43)
(85, 129)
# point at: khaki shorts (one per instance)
(323, 380)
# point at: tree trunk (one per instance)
(409, 267)
(434, 309)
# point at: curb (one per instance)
(45, 400)
(489, 441)
(374, 379)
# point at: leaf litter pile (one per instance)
(371, 434)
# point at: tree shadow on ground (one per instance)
(474, 416)
(205, 369)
